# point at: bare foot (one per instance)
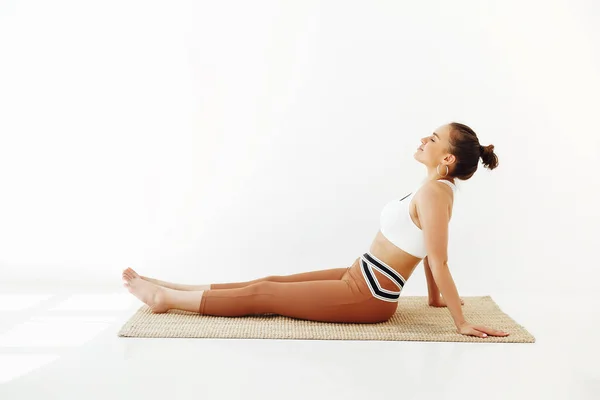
(131, 272)
(168, 285)
(136, 275)
(154, 296)
(147, 279)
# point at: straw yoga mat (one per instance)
(414, 320)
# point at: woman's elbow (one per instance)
(437, 263)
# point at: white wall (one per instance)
(225, 141)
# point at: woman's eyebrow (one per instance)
(437, 135)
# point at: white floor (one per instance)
(64, 345)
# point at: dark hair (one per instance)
(465, 146)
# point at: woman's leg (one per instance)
(320, 275)
(334, 274)
(327, 301)
(176, 286)
(324, 300)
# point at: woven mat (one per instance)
(414, 320)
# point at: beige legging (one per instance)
(331, 295)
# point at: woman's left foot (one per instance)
(154, 296)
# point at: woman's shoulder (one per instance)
(437, 189)
(437, 186)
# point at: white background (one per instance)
(205, 142)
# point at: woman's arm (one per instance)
(432, 289)
(433, 207)
(442, 276)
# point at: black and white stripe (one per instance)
(367, 263)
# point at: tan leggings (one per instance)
(331, 295)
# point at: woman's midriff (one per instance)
(396, 258)
(402, 262)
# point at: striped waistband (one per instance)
(367, 263)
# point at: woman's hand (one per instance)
(440, 302)
(478, 330)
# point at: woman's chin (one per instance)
(418, 159)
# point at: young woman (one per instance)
(413, 228)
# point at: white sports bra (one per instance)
(398, 227)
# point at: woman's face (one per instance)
(434, 147)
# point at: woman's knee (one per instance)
(270, 278)
(262, 286)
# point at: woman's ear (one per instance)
(450, 158)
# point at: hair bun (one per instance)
(486, 149)
(490, 160)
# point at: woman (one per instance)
(413, 228)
